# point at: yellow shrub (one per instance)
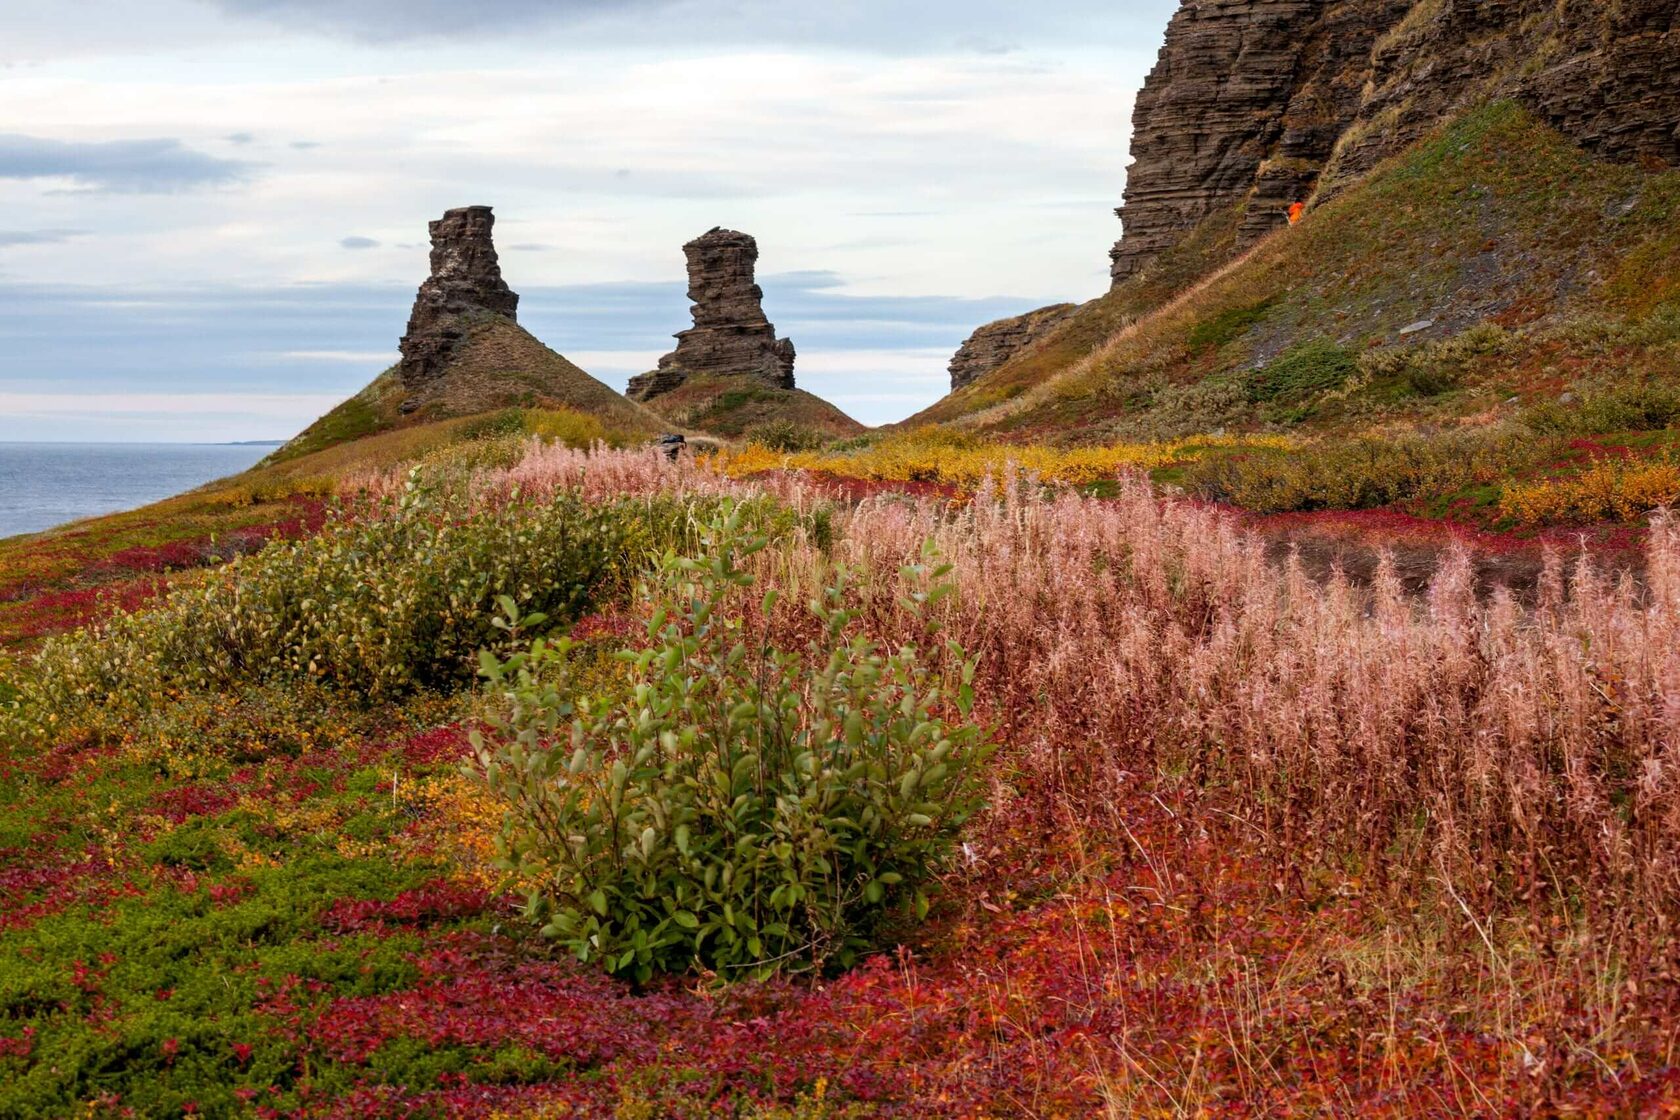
(567, 426)
(1612, 489)
(935, 456)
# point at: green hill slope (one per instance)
(1495, 260)
(498, 365)
(733, 407)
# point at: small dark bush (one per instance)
(1303, 370)
(786, 436)
(1230, 325)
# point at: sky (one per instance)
(213, 212)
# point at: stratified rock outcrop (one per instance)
(1263, 103)
(1247, 95)
(466, 279)
(995, 343)
(731, 335)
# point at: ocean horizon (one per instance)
(50, 483)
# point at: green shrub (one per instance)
(786, 436)
(1303, 370)
(1429, 369)
(1634, 408)
(1229, 325)
(732, 806)
(377, 605)
(1361, 473)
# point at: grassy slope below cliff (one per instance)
(732, 407)
(1496, 221)
(500, 365)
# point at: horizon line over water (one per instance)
(143, 442)
(48, 484)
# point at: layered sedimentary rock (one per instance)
(731, 335)
(466, 279)
(1263, 103)
(995, 343)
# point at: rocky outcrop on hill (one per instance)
(995, 343)
(731, 335)
(465, 278)
(1263, 103)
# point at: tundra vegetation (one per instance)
(539, 782)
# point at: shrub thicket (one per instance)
(1646, 407)
(732, 805)
(786, 436)
(378, 605)
(1360, 473)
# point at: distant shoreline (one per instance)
(142, 443)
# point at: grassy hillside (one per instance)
(736, 407)
(1559, 271)
(500, 365)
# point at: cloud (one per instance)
(380, 21)
(239, 137)
(889, 26)
(153, 166)
(359, 243)
(9, 237)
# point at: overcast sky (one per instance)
(213, 212)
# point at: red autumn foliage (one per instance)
(437, 901)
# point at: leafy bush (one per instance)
(786, 436)
(1360, 473)
(378, 605)
(1632, 408)
(1431, 368)
(1302, 370)
(735, 806)
(1612, 489)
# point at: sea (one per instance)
(47, 484)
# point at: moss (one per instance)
(1229, 325)
(1303, 370)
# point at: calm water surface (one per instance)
(47, 484)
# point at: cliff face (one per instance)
(995, 343)
(466, 277)
(731, 334)
(1263, 103)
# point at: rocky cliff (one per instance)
(731, 335)
(995, 343)
(465, 354)
(1258, 104)
(465, 279)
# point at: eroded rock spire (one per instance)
(731, 335)
(466, 279)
